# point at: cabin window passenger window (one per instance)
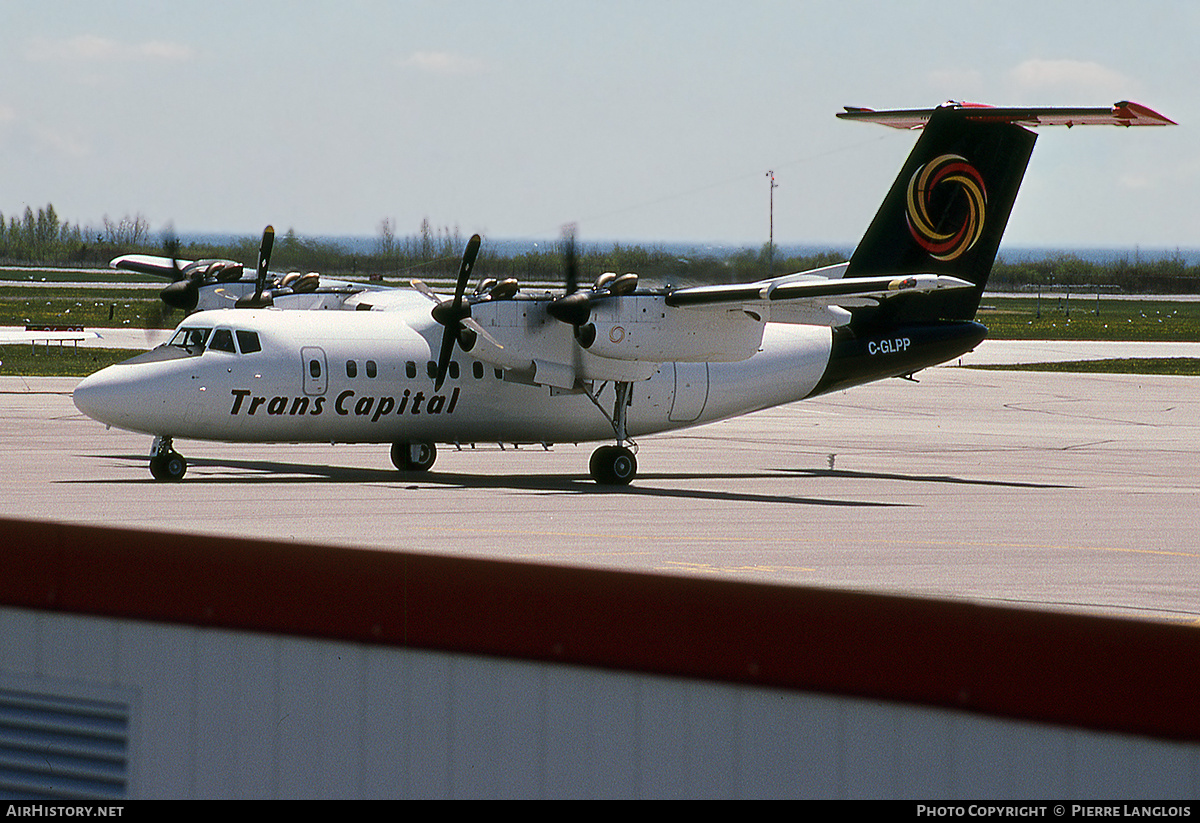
(477, 370)
(314, 368)
(248, 342)
(372, 369)
(453, 369)
(431, 368)
(351, 368)
(222, 340)
(499, 374)
(410, 368)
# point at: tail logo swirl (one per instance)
(934, 178)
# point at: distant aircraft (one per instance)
(608, 361)
(218, 284)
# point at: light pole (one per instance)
(771, 226)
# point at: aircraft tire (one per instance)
(413, 457)
(613, 466)
(170, 466)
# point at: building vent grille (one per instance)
(57, 747)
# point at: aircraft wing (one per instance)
(149, 264)
(795, 294)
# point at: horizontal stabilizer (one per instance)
(1124, 113)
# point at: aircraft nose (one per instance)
(97, 396)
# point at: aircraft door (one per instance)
(316, 375)
(691, 392)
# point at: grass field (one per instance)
(93, 308)
(26, 361)
(1082, 318)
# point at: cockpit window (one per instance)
(190, 338)
(248, 342)
(222, 340)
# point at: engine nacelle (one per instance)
(644, 328)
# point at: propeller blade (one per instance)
(451, 314)
(171, 245)
(448, 340)
(572, 270)
(468, 263)
(259, 299)
(574, 307)
(473, 324)
(264, 261)
(425, 290)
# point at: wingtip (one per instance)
(1143, 115)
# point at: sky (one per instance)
(648, 121)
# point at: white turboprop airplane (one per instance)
(607, 362)
(218, 284)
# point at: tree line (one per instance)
(1155, 275)
(40, 237)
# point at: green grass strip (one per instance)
(1185, 366)
(24, 360)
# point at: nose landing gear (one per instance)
(166, 463)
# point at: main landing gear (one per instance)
(165, 462)
(615, 465)
(413, 457)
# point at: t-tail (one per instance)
(945, 214)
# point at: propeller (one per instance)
(259, 299)
(575, 306)
(183, 292)
(455, 314)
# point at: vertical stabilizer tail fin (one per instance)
(947, 210)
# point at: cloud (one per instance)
(444, 63)
(90, 48)
(1078, 76)
(23, 135)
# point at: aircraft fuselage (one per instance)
(367, 377)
